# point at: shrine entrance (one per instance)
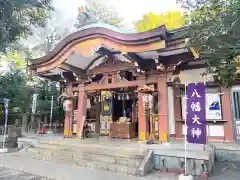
(118, 115)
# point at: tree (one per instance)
(44, 39)
(97, 12)
(17, 17)
(13, 86)
(211, 32)
(171, 19)
(19, 88)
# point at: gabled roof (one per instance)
(94, 44)
(110, 32)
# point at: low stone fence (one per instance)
(199, 161)
(227, 152)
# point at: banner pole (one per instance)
(185, 136)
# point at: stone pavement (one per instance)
(67, 172)
(11, 174)
(16, 166)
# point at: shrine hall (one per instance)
(131, 85)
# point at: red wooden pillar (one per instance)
(68, 118)
(67, 125)
(163, 109)
(82, 109)
(143, 134)
(227, 115)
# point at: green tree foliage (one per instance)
(97, 12)
(18, 58)
(171, 19)
(17, 17)
(46, 90)
(211, 25)
(13, 87)
(19, 88)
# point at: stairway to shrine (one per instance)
(73, 152)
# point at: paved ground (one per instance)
(222, 171)
(67, 172)
(18, 165)
(11, 174)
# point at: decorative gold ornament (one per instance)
(176, 78)
(145, 89)
(160, 67)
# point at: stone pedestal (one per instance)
(14, 132)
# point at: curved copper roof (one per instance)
(113, 34)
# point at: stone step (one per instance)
(81, 144)
(86, 156)
(90, 150)
(118, 168)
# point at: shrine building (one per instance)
(131, 85)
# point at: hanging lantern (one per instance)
(127, 97)
(148, 101)
(119, 97)
(122, 96)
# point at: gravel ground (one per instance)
(10, 174)
(226, 171)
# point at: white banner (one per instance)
(213, 106)
(34, 103)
